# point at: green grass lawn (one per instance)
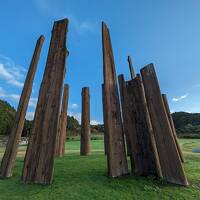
(77, 177)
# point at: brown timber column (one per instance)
(85, 122)
(116, 154)
(142, 141)
(8, 161)
(131, 67)
(164, 96)
(124, 107)
(170, 162)
(39, 159)
(61, 137)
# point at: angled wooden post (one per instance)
(124, 107)
(39, 159)
(164, 96)
(131, 67)
(61, 137)
(142, 141)
(170, 162)
(10, 154)
(116, 154)
(85, 122)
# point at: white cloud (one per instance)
(94, 122)
(33, 102)
(73, 106)
(77, 116)
(10, 72)
(30, 115)
(180, 98)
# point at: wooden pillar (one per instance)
(124, 107)
(104, 119)
(10, 154)
(131, 67)
(171, 166)
(85, 122)
(142, 141)
(116, 154)
(39, 159)
(61, 137)
(164, 96)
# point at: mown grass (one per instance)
(77, 177)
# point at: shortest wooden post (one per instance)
(85, 122)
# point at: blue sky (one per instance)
(166, 33)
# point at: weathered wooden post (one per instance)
(142, 141)
(10, 154)
(104, 119)
(39, 159)
(85, 122)
(164, 96)
(124, 107)
(61, 137)
(116, 155)
(131, 67)
(171, 166)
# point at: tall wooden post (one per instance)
(61, 137)
(116, 155)
(170, 162)
(142, 141)
(10, 154)
(85, 122)
(124, 107)
(164, 96)
(39, 159)
(131, 67)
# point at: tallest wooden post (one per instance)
(39, 159)
(116, 155)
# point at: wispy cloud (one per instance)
(16, 98)
(30, 115)
(77, 115)
(176, 99)
(94, 122)
(73, 106)
(13, 74)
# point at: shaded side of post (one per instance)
(142, 141)
(10, 154)
(116, 154)
(85, 122)
(124, 107)
(164, 96)
(170, 162)
(131, 67)
(39, 159)
(61, 137)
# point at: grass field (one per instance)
(77, 177)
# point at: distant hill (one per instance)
(187, 124)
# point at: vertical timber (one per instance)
(39, 159)
(85, 122)
(142, 141)
(131, 67)
(10, 154)
(61, 137)
(164, 96)
(170, 162)
(116, 154)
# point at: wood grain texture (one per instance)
(85, 123)
(61, 137)
(8, 161)
(39, 159)
(131, 67)
(171, 165)
(142, 141)
(116, 154)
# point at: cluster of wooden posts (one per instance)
(147, 126)
(143, 118)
